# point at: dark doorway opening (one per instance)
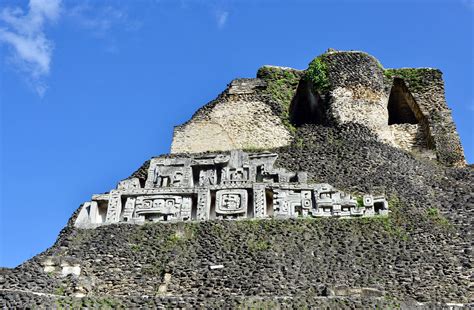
(378, 206)
(194, 202)
(307, 106)
(269, 199)
(400, 104)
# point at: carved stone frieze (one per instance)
(222, 186)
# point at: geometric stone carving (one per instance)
(207, 177)
(259, 201)
(290, 203)
(203, 204)
(231, 203)
(162, 208)
(222, 186)
(114, 207)
(129, 184)
(129, 208)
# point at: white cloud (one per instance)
(103, 22)
(221, 18)
(469, 4)
(24, 33)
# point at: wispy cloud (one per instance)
(219, 9)
(468, 3)
(102, 21)
(221, 18)
(23, 32)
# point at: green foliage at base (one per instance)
(435, 216)
(258, 245)
(317, 73)
(395, 223)
(93, 303)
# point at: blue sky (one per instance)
(89, 90)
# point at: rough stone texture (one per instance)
(237, 119)
(427, 88)
(411, 137)
(232, 185)
(421, 253)
(357, 91)
(262, 113)
(420, 256)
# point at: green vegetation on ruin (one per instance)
(254, 149)
(394, 224)
(281, 86)
(414, 77)
(435, 215)
(88, 303)
(317, 73)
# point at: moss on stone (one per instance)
(258, 245)
(317, 73)
(281, 87)
(437, 218)
(414, 77)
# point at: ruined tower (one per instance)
(405, 108)
(343, 185)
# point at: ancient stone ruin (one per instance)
(241, 214)
(233, 185)
(405, 108)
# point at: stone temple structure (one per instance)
(405, 108)
(341, 186)
(233, 185)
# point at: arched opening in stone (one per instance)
(401, 104)
(307, 106)
(408, 124)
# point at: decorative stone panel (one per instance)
(221, 186)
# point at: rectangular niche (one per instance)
(269, 202)
(379, 206)
(102, 206)
(231, 203)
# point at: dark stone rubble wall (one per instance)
(427, 87)
(298, 259)
(421, 253)
(354, 70)
(18, 300)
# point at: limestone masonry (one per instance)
(405, 107)
(222, 186)
(341, 186)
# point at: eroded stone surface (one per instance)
(233, 185)
(263, 112)
(418, 257)
(238, 119)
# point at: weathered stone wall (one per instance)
(306, 262)
(357, 91)
(421, 253)
(238, 119)
(338, 87)
(418, 256)
(411, 138)
(427, 87)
